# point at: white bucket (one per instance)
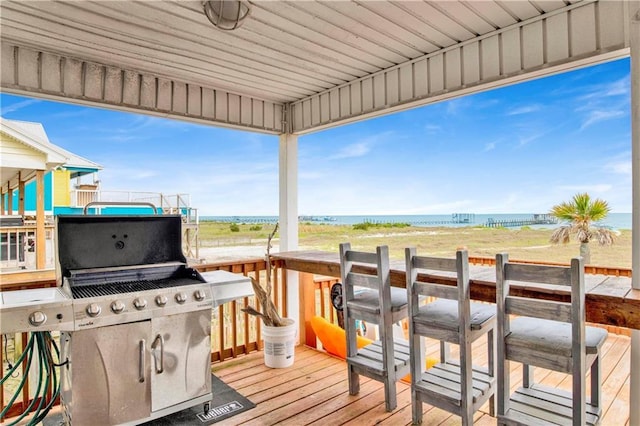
(279, 344)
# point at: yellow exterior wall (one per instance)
(61, 182)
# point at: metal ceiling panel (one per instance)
(347, 58)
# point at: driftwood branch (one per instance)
(269, 314)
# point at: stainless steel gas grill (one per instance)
(140, 346)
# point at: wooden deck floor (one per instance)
(315, 391)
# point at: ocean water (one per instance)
(614, 220)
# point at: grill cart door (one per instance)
(180, 358)
(111, 365)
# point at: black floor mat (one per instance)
(226, 403)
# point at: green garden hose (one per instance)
(38, 347)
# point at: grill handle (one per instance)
(141, 362)
(108, 203)
(159, 338)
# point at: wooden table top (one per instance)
(609, 300)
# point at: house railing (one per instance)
(167, 204)
(18, 247)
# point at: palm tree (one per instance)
(579, 213)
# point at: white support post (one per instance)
(634, 42)
(288, 171)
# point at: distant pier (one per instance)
(456, 218)
(536, 219)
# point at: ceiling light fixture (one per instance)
(226, 14)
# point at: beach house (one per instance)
(26, 148)
(40, 180)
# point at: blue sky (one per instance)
(518, 149)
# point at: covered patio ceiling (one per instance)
(300, 66)
(296, 66)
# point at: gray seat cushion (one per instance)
(551, 336)
(367, 300)
(443, 313)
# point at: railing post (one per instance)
(40, 230)
(307, 309)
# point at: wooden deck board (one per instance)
(315, 391)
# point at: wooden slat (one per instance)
(436, 290)
(538, 309)
(362, 280)
(540, 274)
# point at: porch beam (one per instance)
(37, 73)
(40, 230)
(634, 35)
(10, 201)
(580, 34)
(20, 195)
(288, 215)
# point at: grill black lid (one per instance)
(86, 242)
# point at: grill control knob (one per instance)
(140, 304)
(181, 298)
(93, 310)
(199, 295)
(37, 318)
(117, 307)
(161, 300)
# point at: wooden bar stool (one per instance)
(456, 386)
(550, 335)
(387, 359)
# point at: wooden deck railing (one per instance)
(588, 269)
(234, 333)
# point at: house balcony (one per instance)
(164, 203)
(315, 388)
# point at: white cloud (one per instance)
(597, 115)
(525, 140)
(621, 167)
(432, 128)
(621, 87)
(526, 109)
(362, 147)
(354, 150)
(490, 146)
(18, 106)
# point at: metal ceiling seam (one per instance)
(465, 17)
(88, 29)
(128, 93)
(291, 76)
(411, 21)
(233, 86)
(284, 85)
(489, 11)
(44, 38)
(360, 29)
(486, 85)
(454, 86)
(213, 43)
(336, 32)
(395, 31)
(525, 10)
(320, 44)
(461, 45)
